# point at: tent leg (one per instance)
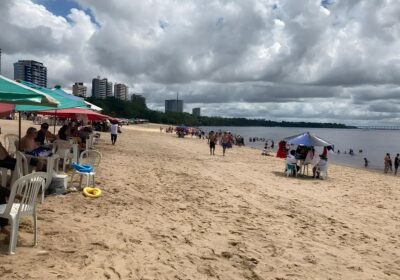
(19, 130)
(55, 121)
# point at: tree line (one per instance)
(137, 108)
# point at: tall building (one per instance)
(121, 91)
(196, 112)
(31, 71)
(174, 105)
(138, 98)
(99, 88)
(109, 89)
(79, 89)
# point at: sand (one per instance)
(172, 211)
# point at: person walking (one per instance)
(225, 140)
(114, 132)
(396, 163)
(212, 140)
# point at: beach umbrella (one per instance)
(307, 139)
(65, 100)
(74, 113)
(93, 107)
(16, 93)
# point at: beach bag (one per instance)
(82, 167)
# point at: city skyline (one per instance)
(326, 61)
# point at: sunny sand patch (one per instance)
(171, 211)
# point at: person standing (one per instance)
(114, 132)
(396, 163)
(388, 163)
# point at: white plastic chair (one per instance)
(10, 143)
(27, 188)
(92, 158)
(89, 143)
(62, 148)
(291, 169)
(21, 167)
(322, 170)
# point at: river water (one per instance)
(373, 143)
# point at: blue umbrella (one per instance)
(307, 139)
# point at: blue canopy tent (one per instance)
(307, 139)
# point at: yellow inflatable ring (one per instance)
(92, 192)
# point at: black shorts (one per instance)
(212, 145)
(8, 163)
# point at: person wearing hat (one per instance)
(322, 163)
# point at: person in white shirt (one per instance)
(114, 132)
(291, 159)
(323, 162)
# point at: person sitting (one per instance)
(28, 144)
(322, 163)
(291, 160)
(44, 134)
(65, 132)
(6, 161)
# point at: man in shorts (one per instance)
(212, 138)
(225, 141)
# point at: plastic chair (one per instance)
(62, 148)
(92, 158)
(21, 167)
(27, 188)
(291, 168)
(10, 143)
(89, 143)
(322, 170)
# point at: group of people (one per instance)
(388, 164)
(307, 156)
(225, 139)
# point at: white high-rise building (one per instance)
(121, 91)
(79, 89)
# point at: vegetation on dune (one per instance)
(137, 109)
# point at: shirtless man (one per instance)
(212, 138)
(225, 142)
(28, 143)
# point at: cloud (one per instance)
(315, 60)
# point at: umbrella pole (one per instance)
(19, 130)
(55, 120)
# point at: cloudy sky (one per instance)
(311, 60)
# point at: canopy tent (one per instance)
(93, 107)
(64, 99)
(307, 139)
(6, 109)
(16, 93)
(74, 113)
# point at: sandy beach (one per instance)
(169, 210)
